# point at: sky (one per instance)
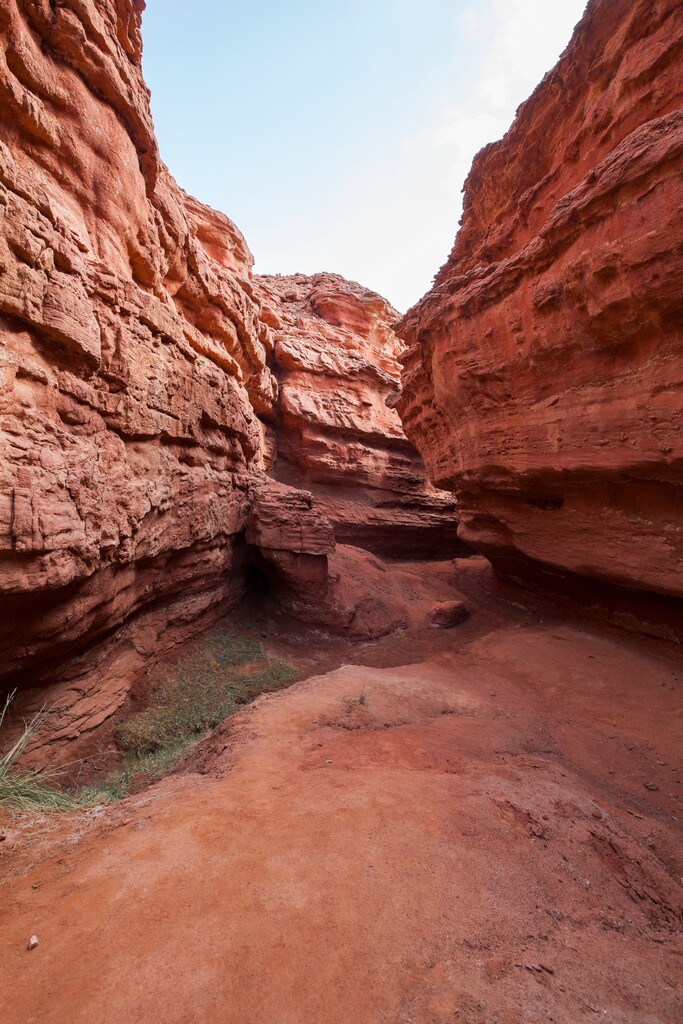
(338, 135)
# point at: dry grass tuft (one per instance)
(26, 790)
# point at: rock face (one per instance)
(336, 358)
(316, 579)
(133, 357)
(292, 540)
(447, 614)
(543, 382)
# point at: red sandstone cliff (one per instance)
(336, 358)
(133, 356)
(544, 382)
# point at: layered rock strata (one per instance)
(336, 359)
(317, 580)
(544, 378)
(133, 357)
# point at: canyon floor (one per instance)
(480, 824)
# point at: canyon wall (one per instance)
(133, 357)
(543, 382)
(336, 359)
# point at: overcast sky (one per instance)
(338, 135)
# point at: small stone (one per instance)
(652, 786)
(328, 762)
(448, 613)
(32, 942)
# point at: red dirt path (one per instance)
(473, 843)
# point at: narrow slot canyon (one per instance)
(340, 648)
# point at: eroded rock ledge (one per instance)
(544, 379)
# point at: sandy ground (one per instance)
(493, 834)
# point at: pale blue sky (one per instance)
(338, 135)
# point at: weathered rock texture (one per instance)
(336, 358)
(543, 383)
(316, 579)
(133, 357)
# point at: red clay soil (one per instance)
(489, 835)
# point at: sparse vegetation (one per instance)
(202, 690)
(137, 770)
(208, 686)
(226, 672)
(25, 790)
(360, 701)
